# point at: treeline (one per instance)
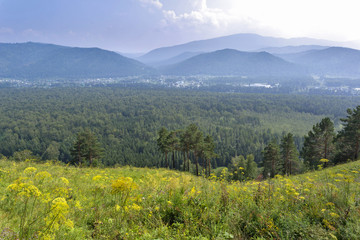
(322, 147)
(126, 121)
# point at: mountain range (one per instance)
(241, 54)
(234, 62)
(36, 60)
(242, 42)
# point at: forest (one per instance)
(44, 123)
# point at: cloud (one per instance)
(153, 3)
(205, 21)
(4, 30)
(199, 15)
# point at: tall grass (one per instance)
(54, 201)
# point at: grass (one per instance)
(53, 201)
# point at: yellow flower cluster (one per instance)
(42, 175)
(25, 189)
(29, 170)
(57, 215)
(123, 184)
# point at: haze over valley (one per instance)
(243, 61)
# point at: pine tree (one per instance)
(318, 143)
(208, 153)
(348, 139)
(251, 167)
(289, 155)
(191, 140)
(163, 143)
(86, 148)
(272, 160)
(173, 143)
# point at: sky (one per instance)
(142, 25)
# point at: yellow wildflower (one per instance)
(97, 178)
(117, 207)
(136, 207)
(30, 170)
(42, 175)
(64, 180)
(123, 184)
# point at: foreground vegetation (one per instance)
(55, 201)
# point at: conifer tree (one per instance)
(318, 143)
(173, 143)
(163, 143)
(86, 148)
(251, 167)
(289, 155)
(208, 153)
(348, 139)
(272, 160)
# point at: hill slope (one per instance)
(233, 62)
(62, 202)
(336, 61)
(35, 60)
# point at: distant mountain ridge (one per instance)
(241, 42)
(37, 60)
(48, 61)
(234, 62)
(335, 61)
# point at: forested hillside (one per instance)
(47, 61)
(126, 121)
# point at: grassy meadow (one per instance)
(55, 201)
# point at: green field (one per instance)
(56, 201)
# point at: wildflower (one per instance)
(30, 170)
(42, 175)
(78, 205)
(117, 207)
(24, 189)
(324, 160)
(57, 215)
(64, 180)
(136, 207)
(123, 184)
(97, 178)
(69, 224)
(334, 215)
(60, 205)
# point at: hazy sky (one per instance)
(141, 25)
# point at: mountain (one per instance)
(334, 61)
(241, 42)
(234, 62)
(292, 49)
(36, 60)
(179, 58)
